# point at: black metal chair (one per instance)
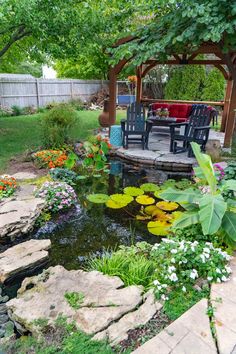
(196, 130)
(135, 129)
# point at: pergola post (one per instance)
(139, 84)
(112, 96)
(230, 123)
(225, 112)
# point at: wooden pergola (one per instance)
(225, 62)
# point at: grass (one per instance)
(22, 133)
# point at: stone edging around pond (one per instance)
(161, 160)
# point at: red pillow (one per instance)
(180, 110)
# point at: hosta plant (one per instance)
(206, 205)
(58, 195)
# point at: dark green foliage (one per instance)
(179, 302)
(186, 83)
(230, 170)
(16, 110)
(63, 174)
(214, 86)
(57, 125)
(74, 299)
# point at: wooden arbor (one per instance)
(225, 62)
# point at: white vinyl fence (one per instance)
(25, 92)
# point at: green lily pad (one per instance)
(149, 187)
(145, 200)
(118, 201)
(158, 228)
(98, 198)
(133, 191)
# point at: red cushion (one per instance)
(181, 120)
(180, 110)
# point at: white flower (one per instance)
(202, 256)
(185, 260)
(171, 269)
(164, 297)
(172, 260)
(206, 255)
(173, 251)
(209, 278)
(224, 278)
(156, 282)
(173, 277)
(206, 250)
(218, 271)
(218, 280)
(193, 274)
(228, 269)
(164, 285)
(184, 289)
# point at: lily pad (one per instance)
(167, 206)
(98, 198)
(133, 191)
(150, 209)
(160, 215)
(158, 228)
(145, 200)
(176, 215)
(118, 201)
(149, 187)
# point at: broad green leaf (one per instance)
(133, 191)
(158, 228)
(229, 224)
(98, 198)
(149, 187)
(229, 184)
(187, 196)
(187, 219)
(212, 210)
(206, 166)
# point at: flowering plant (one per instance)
(180, 263)
(7, 186)
(132, 78)
(50, 158)
(95, 152)
(58, 195)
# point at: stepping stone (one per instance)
(118, 331)
(18, 216)
(190, 334)
(23, 176)
(23, 257)
(223, 299)
(103, 299)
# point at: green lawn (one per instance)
(18, 134)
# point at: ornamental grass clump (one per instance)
(181, 264)
(7, 186)
(58, 195)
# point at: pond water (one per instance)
(90, 229)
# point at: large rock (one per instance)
(23, 257)
(18, 216)
(118, 331)
(43, 296)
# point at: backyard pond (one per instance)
(91, 229)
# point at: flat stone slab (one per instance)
(18, 216)
(22, 257)
(103, 299)
(223, 299)
(23, 176)
(190, 334)
(118, 331)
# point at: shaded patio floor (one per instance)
(158, 153)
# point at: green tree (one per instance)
(214, 89)
(186, 83)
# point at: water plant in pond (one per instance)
(95, 152)
(8, 186)
(58, 195)
(159, 221)
(207, 204)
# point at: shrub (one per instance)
(58, 195)
(7, 186)
(77, 104)
(5, 111)
(230, 170)
(57, 125)
(50, 158)
(214, 89)
(29, 110)
(63, 174)
(16, 110)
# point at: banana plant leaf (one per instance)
(212, 209)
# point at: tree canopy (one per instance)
(180, 26)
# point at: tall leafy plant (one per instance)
(206, 206)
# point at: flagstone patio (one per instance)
(158, 154)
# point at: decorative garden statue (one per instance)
(104, 116)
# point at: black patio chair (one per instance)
(135, 129)
(196, 130)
